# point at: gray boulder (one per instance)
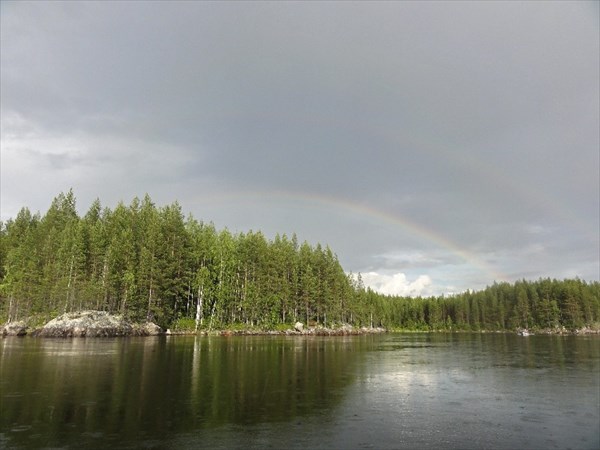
(14, 329)
(149, 329)
(87, 323)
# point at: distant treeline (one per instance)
(541, 304)
(151, 262)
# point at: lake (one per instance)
(400, 391)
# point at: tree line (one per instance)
(153, 263)
(543, 304)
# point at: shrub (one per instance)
(184, 324)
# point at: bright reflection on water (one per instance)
(390, 391)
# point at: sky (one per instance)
(434, 146)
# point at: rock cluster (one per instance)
(95, 324)
(300, 330)
(147, 329)
(343, 330)
(14, 329)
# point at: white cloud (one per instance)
(397, 284)
(411, 258)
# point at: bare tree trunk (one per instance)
(307, 311)
(73, 296)
(214, 305)
(199, 305)
(212, 314)
(69, 284)
(104, 271)
(10, 308)
(245, 295)
(189, 297)
(149, 301)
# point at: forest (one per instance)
(154, 263)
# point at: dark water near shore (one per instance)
(382, 391)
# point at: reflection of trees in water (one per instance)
(68, 392)
(93, 392)
(250, 380)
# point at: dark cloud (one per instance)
(457, 127)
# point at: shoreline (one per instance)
(317, 331)
(102, 324)
(16, 329)
(10, 330)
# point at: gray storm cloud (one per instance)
(474, 122)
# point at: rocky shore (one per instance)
(300, 330)
(103, 324)
(83, 324)
(565, 331)
(19, 328)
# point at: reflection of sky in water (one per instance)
(392, 391)
(438, 395)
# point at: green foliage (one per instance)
(149, 263)
(186, 324)
(541, 304)
(283, 327)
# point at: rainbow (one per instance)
(417, 140)
(533, 195)
(363, 211)
(424, 141)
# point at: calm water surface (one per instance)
(387, 391)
